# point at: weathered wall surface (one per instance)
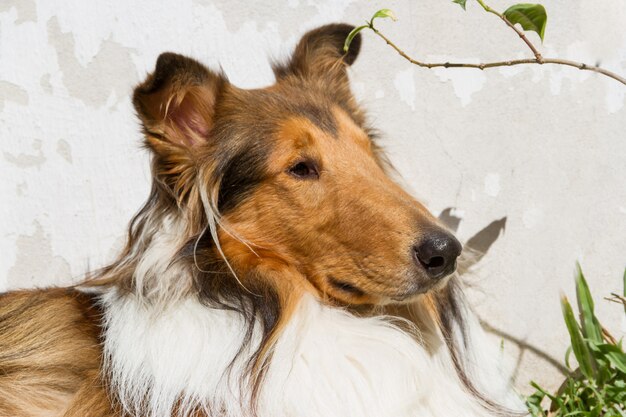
(538, 154)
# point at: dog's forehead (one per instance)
(265, 110)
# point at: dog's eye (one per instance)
(305, 170)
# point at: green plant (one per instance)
(598, 387)
(531, 17)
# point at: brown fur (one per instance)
(222, 157)
(50, 355)
(365, 237)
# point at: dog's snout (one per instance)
(437, 253)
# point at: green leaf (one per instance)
(568, 352)
(624, 289)
(554, 399)
(590, 325)
(542, 391)
(581, 351)
(383, 13)
(351, 35)
(533, 403)
(613, 354)
(460, 2)
(532, 17)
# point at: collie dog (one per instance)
(276, 270)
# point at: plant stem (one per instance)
(512, 26)
(482, 66)
(608, 336)
(617, 299)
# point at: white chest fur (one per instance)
(327, 363)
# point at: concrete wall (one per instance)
(528, 163)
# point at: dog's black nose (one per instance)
(437, 253)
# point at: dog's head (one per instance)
(291, 176)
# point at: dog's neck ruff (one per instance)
(326, 363)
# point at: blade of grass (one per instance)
(613, 354)
(581, 351)
(590, 325)
(624, 290)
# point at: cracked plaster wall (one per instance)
(526, 163)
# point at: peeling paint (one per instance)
(532, 217)
(405, 85)
(35, 264)
(12, 92)
(24, 160)
(26, 9)
(84, 82)
(21, 188)
(492, 184)
(64, 149)
(45, 83)
(465, 82)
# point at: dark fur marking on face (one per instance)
(319, 115)
(346, 287)
(242, 173)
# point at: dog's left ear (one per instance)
(320, 53)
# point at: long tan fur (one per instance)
(50, 355)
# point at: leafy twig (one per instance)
(512, 26)
(527, 24)
(483, 66)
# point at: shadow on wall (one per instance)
(475, 249)
(478, 245)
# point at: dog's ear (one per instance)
(320, 53)
(176, 105)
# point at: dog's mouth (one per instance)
(416, 286)
(345, 287)
(420, 288)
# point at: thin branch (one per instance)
(581, 66)
(616, 299)
(608, 336)
(520, 33)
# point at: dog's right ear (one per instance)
(176, 105)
